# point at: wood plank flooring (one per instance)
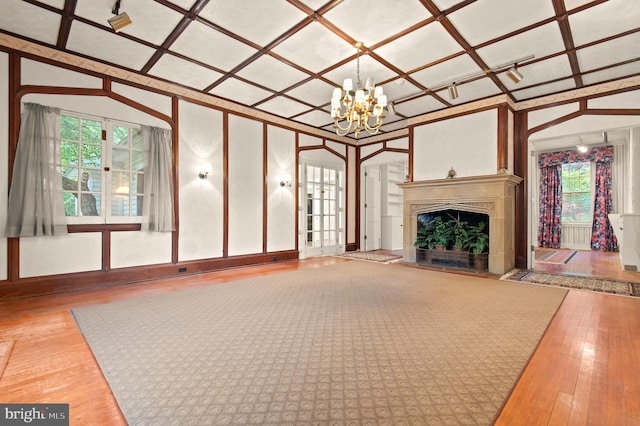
(584, 372)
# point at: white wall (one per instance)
(468, 143)
(137, 248)
(4, 165)
(281, 201)
(245, 186)
(60, 255)
(200, 201)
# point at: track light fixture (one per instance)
(514, 74)
(453, 91)
(119, 21)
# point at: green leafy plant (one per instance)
(459, 233)
(478, 238)
(436, 233)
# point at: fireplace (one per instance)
(492, 195)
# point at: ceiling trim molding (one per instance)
(578, 94)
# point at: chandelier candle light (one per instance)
(363, 109)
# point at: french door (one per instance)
(323, 212)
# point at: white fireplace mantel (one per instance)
(493, 195)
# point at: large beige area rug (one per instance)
(353, 343)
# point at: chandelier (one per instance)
(362, 109)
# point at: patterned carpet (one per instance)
(579, 283)
(352, 343)
(372, 257)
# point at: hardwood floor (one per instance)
(584, 372)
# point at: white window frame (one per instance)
(105, 216)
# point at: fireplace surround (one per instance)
(493, 195)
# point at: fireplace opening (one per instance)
(453, 239)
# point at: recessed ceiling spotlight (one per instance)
(119, 21)
(582, 148)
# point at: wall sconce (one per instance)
(119, 21)
(453, 91)
(203, 175)
(285, 181)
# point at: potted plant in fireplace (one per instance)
(459, 233)
(479, 245)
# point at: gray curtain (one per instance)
(158, 184)
(36, 204)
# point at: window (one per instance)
(576, 193)
(102, 164)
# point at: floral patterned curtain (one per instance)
(549, 225)
(602, 237)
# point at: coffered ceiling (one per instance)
(286, 56)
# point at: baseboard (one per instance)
(64, 283)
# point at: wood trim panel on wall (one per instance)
(53, 284)
(13, 244)
(521, 168)
(265, 185)
(503, 139)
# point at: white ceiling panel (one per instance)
(30, 21)
(373, 22)
(546, 89)
(107, 46)
(271, 73)
(446, 4)
(186, 73)
(240, 92)
(368, 68)
(455, 69)
(611, 73)
(572, 4)
(539, 72)
(327, 48)
(603, 20)
(211, 47)
(315, 4)
(185, 4)
(316, 92)
(608, 53)
(283, 107)
(315, 118)
(485, 20)
(399, 89)
(539, 42)
(151, 21)
(471, 91)
(59, 4)
(258, 21)
(419, 106)
(420, 47)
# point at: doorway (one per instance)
(323, 209)
(382, 206)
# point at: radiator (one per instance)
(577, 237)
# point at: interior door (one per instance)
(322, 188)
(372, 192)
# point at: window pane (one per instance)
(576, 192)
(91, 155)
(90, 204)
(69, 128)
(120, 159)
(137, 161)
(70, 178)
(91, 131)
(120, 205)
(70, 204)
(120, 183)
(120, 135)
(136, 139)
(69, 153)
(137, 205)
(92, 179)
(138, 183)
